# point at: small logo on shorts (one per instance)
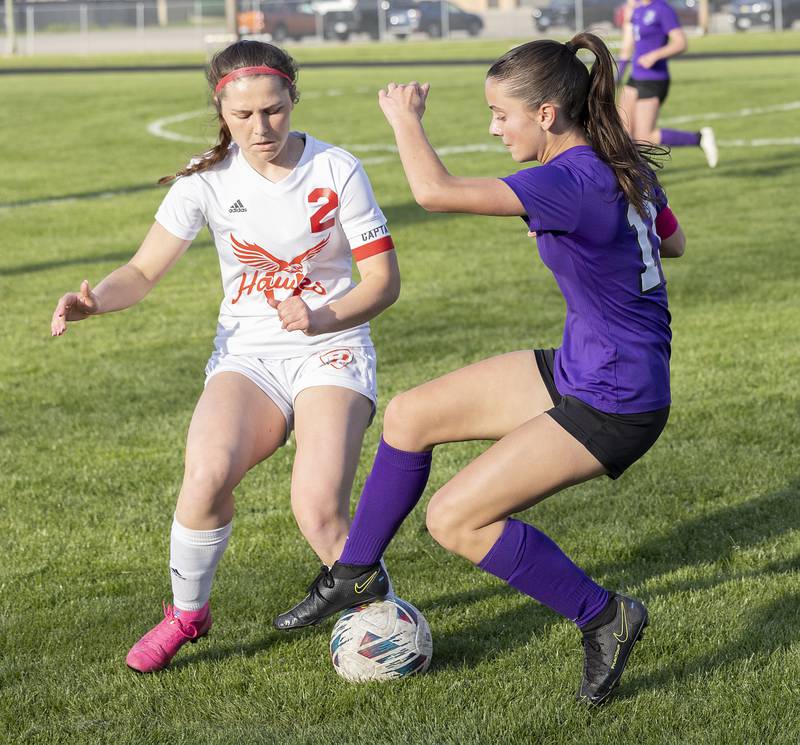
(337, 358)
(237, 206)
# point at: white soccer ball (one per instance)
(380, 641)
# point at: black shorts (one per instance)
(616, 440)
(650, 88)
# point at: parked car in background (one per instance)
(762, 13)
(280, 20)
(430, 18)
(562, 13)
(688, 12)
(346, 17)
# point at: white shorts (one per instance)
(282, 379)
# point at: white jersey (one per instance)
(297, 236)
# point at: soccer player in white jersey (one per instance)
(288, 215)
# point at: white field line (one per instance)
(157, 128)
(764, 142)
(711, 115)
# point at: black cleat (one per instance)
(607, 648)
(332, 591)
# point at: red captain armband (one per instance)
(373, 248)
(666, 223)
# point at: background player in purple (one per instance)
(559, 417)
(651, 35)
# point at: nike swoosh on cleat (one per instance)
(622, 637)
(360, 588)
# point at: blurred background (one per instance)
(31, 27)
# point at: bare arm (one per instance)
(378, 289)
(126, 285)
(674, 246)
(432, 185)
(626, 48)
(676, 44)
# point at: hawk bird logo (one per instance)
(259, 258)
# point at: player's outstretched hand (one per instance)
(74, 306)
(294, 314)
(399, 101)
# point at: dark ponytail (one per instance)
(245, 53)
(544, 70)
(633, 162)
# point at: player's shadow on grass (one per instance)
(81, 196)
(713, 538)
(212, 651)
(43, 266)
(489, 634)
(116, 256)
(767, 628)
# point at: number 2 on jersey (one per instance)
(650, 278)
(318, 221)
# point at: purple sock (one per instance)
(532, 563)
(679, 138)
(391, 490)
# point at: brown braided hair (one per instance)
(245, 53)
(544, 70)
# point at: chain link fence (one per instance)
(190, 25)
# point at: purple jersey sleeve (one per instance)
(550, 195)
(668, 18)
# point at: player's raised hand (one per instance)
(294, 314)
(399, 101)
(74, 306)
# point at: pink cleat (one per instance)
(157, 647)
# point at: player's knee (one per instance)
(644, 134)
(404, 424)
(318, 522)
(443, 523)
(208, 479)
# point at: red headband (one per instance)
(243, 71)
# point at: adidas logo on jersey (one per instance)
(237, 206)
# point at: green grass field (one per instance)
(705, 529)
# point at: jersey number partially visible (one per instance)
(650, 278)
(318, 221)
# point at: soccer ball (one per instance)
(380, 641)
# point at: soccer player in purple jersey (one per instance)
(558, 417)
(651, 35)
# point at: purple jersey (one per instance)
(651, 26)
(604, 256)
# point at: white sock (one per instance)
(193, 559)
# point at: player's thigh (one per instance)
(329, 424)
(234, 426)
(483, 401)
(645, 118)
(537, 459)
(627, 107)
